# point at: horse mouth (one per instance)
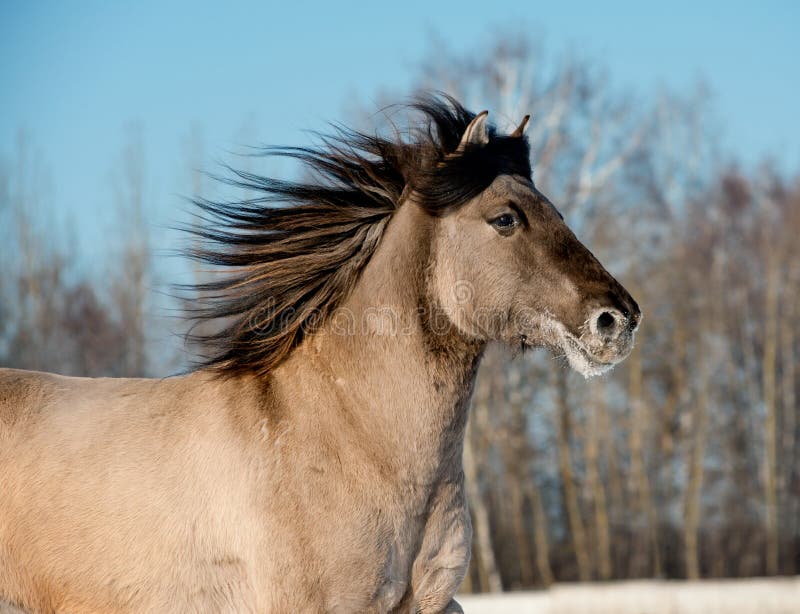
(583, 360)
(580, 356)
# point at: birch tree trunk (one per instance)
(616, 492)
(695, 477)
(567, 476)
(696, 434)
(540, 537)
(131, 291)
(639, 479)
(487, 568)
(517, 502)
(517, 455)
(789, 417)
(770, 427)
(596, 487)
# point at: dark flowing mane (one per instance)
(296, 249)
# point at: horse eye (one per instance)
(505, 222)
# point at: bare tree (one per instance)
(132, 288)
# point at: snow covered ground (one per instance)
(749, 596)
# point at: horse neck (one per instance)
(406, 386)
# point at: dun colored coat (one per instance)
(313, 464)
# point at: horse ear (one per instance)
(523, 126)
(476, 133)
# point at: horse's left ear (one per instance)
(476, 133)
(523, 126)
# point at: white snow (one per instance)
(744, 596)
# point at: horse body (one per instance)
(325, 477)
(199, 493)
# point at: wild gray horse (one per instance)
(314, 463)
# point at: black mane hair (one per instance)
(295, 250)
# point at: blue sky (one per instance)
(75, 75)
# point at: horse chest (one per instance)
(355, 555)
(375, 575)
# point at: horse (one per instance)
(313, 461)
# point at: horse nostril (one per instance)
(605, 322)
